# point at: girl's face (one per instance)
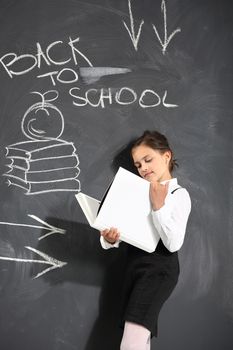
(151, 164)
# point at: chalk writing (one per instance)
(166, 40)
(148, 98)
(54, 263)
(10, 60)
(13, 63)
(46, 163)
(134, 37)
(30, 168)
(52, 229)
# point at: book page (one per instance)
(127, 207)
(89, 206)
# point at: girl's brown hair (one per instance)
(157, 141)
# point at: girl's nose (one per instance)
(144, 168)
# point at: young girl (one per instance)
(151, 277)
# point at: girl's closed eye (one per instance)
(137, 165)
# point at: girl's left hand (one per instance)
(158, 194)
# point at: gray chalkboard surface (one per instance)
(79, 79)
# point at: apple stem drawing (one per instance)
(52, 229)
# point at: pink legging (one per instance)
(135, 337)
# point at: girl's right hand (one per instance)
(111, 235)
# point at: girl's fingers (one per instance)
(110, 233)
(104, 232)
(113, 233)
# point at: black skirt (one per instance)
(149, 280)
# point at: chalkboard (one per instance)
(79, 80)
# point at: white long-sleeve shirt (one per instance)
(170, 220)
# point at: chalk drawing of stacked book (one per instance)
(44, 163)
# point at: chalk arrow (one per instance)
(47, 260)
(166, 39)
(131, 31)
(52, 229)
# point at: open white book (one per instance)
(127, 207)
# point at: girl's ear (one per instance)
(167, 156)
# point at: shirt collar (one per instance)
(172, 183)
